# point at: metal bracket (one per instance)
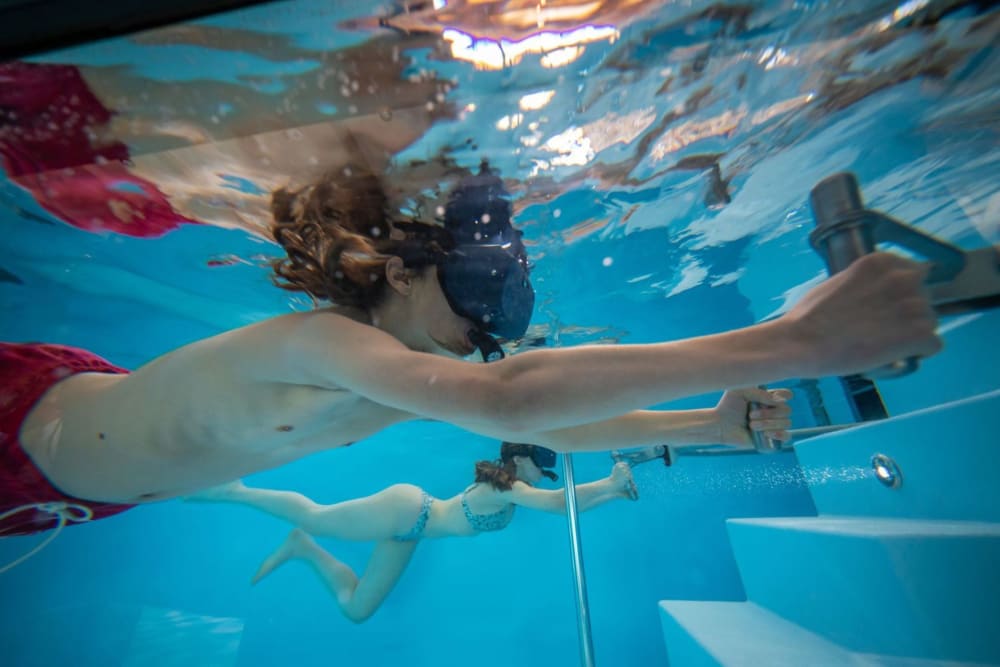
(959, 280)
(975, 287)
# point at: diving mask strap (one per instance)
(489, 348)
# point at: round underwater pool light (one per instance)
(886, 471)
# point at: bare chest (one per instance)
(124, 439)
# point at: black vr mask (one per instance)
(484, 276)
(542, 457)
(489, 286)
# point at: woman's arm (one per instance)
(872, 313)
(588, 496)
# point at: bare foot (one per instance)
(297, 541)
(221, 493)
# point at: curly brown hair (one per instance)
(502, 473)
(499, 474)
(338, 234)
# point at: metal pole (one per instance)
(576, 551)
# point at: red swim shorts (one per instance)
(26, 372)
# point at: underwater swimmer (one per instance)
(403, 304)
(398, 517)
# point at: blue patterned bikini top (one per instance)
(487, 522)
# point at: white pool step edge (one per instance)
(743, 634)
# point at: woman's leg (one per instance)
(357, 598)
(381, 516)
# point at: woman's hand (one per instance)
(772, 416)
(622, 482)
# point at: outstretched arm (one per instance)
(870, 314)
(588, 495)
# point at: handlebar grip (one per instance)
(761, 442)
(845, 230)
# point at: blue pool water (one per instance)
(610, 148)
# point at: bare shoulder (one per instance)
(320, 325)
(304, 347)
(327, 349)
(518, 491)
(274, 349)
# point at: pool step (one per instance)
(899, 577)
(743, 634)
(946, 456)
(900, 586)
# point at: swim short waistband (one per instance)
(27, 371)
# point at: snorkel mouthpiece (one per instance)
(488, 347)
